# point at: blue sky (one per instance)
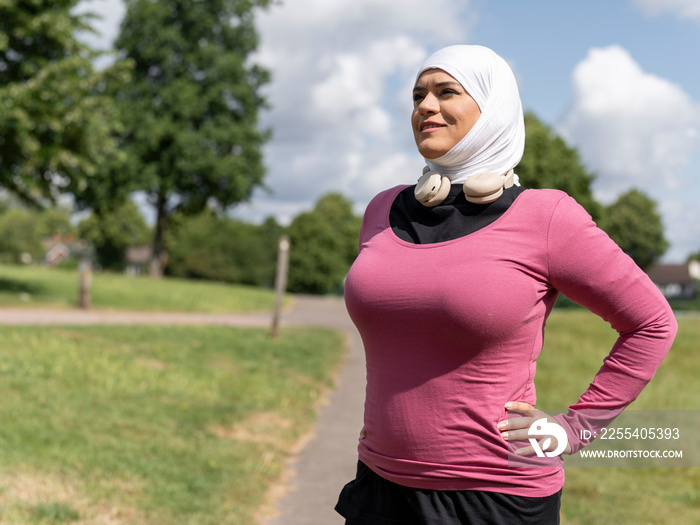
(618, 79)
(546, 41)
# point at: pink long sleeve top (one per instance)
(452, 331)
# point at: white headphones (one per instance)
(482, 188)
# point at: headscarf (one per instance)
(497, 140)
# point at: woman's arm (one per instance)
(589, 268)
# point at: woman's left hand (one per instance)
(516, 428)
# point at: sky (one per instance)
(619, 80)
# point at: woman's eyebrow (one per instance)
(439, 84)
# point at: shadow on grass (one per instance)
(16, 287)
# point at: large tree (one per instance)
(635, 225)
(323, 246)
(192, 110)
(57, 125)
(548, 162)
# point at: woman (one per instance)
(450, 292)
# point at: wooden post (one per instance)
(85, 268)
(280, 281)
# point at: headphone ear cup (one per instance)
(432, 189)
(483, 188)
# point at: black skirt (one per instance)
(372, 500)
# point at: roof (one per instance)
(670, 274)
(139, 254)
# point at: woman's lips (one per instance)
(429, 126)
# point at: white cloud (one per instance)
(340, 95)
(637, 130)
(681, 218)
(634, 128)
(683, 8)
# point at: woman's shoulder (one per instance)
(539, 206)
(548, 199)
(543, 195)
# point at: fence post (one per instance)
(280, 281)
(85, 268)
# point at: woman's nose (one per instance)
(429, 104)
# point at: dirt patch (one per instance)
(261, 427)
(20, 493)
(149, 362)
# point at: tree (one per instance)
(635, 225)
(112, 232)
(191, 112)
(323, 246)
(223, 249)
(549, 163)
(57, 125)
(23, 230)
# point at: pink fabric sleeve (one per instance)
(589, 268)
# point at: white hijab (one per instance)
(497, 140)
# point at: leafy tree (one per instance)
(57, 125)
(112, 232)
(635, 225)
(219, 248)
(323, 246)
(192, 109)
(549, 163)
(19, 235)
(23, 230)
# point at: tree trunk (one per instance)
(159, 257)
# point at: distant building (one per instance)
(137, 259)
(61, 247)
(676, 281)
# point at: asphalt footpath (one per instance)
(309, 489)
(329, 458)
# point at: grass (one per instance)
(191, 425)
(152, 425)
(32, 286)
(576, 343)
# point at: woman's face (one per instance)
(443, 113)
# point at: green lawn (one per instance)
(576, 343)
(152, 425)
(191, 425)
(32, 286)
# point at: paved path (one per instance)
(329, 457)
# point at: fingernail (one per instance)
(503, 425)
(509, 405)
(504, 435)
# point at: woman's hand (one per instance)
(516, 428)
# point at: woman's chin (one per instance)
(431, 153)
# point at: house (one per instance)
(137, 259)
(61, 247)
(676, 281)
